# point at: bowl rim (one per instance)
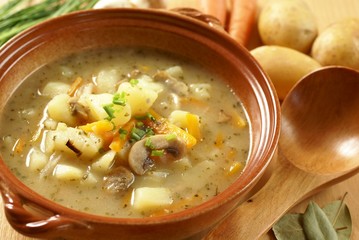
(26, 193)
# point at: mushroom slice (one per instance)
(223, 117)
(177, 86)
(78, 110)
(118, 180)
(163, 147)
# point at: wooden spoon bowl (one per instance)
(318, 147)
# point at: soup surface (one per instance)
(125, 133)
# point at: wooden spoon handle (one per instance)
(286, 186)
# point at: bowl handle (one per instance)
(194, 13)
(32, 220)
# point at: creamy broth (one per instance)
(186, 97)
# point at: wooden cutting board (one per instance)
(327, 12)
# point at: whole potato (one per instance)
(284, 66)
(288, 23)
(338, 44)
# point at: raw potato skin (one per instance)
(338, 44)
(284, 66)
(288, 23)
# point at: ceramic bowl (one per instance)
(35, 216)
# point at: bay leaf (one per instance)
(316, 224)
(339, 215)
(289, 227)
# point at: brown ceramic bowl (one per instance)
(33, 215)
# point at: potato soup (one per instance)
(125, 133)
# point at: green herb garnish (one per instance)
(14, 19)
(171, 136)
(149, 132)
(123, 133)
(333, 221)
(151, 117)
(133, 82)
(157, 153)
(149, 143)
(139, 124)
(119, 99)
(137, 133)
(110, 111)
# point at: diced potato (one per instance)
(178, 118)
(9, 141)
(200, 91)
(67, 71)
(96, 104)
(152, 179)
(175, 71)
(50, 124)
(53, 89)
(59, 110)
(197, 176)
(146, 198)
(73, 141)
(36, 160)
(186, 120)
(146, 82)
(182, 164)
(104, 163)
(67, 173)
(140, 99)
(106, 81)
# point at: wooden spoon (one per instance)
(318, 147)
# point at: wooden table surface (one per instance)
(327, 12)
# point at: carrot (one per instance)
(74, 86)
(239, 121)
(184, 135)
(19, 145)
(193, 126)
(98, 127)
(193, 101)
(219, 140)
(235, 168)
(163, 127)
(119, 141)
(242, 20)
(217, 9)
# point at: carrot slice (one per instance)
(119, 141)
(193, 126)
(163, 127)
(19, 145)
(74, 86)
(242, 20)
(98, 127)
(217, 9)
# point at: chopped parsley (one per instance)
(171, 136)
(123, 133)
(133, 82)
(137, 134)
(149, 143)
(158, 153)
(110, 111)
(119, 99)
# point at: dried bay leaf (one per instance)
(289, 227)
(317, 225)
(339, 215)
